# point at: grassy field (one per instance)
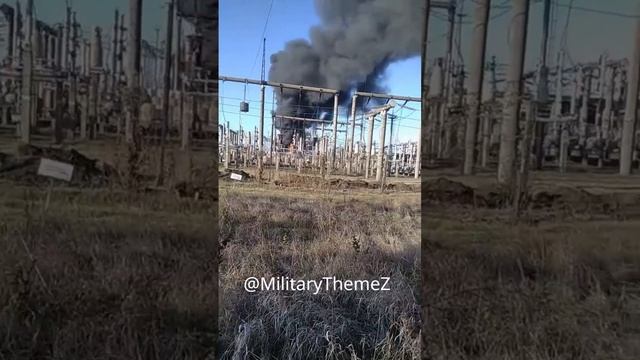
(103, 273)
(310, 233)
(557, 284)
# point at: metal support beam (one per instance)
(27, 79)
(261, 132)
(354, 99)
(334, 143)
(475, 78)
(367, 167)
(631, 109)
(385, 96)
(510, 121)
(382, 153)
(277, 84)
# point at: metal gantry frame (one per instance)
(349, 140)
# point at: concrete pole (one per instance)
(178, 54)
(607, 112)
(367, 167)
(353, 133)
(96, 65)
(631, 108)
(557, 104)
(476, 76)
(120, 67)
(84, 100)
(382, 153)
(166, 90)
(576, 90)
(67, 40)
(510, 121)
(487, 123)
(36, 46)
(45, 48)
(11, 35)
(444, 145)
(17, 38)
(557, 114)
(227, 154)
(584, 112)
(602, 87)
(114, 55)
(60, 48)
(261, 132)
(53, 50)
(27, 79)
(133, 65)
(424, 126)
(334, 143)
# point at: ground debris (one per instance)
(493, 196)
(226, 174)
(305, 181)
(23, 168)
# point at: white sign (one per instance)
(235, 176)
(55, 169)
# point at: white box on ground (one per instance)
(55, 169)
(235, 176)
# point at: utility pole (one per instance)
(17, 37)
(27, 79)
(584, 113)
(561, 130)
(422, 153)
(178, 56)
(73, 53)
(476, 76)
(602, 86)
(511, 117)
(334, 143)
(227, 147)
(382, 153)
(133, 67)
(392, 117)
(156, 55)
(121, 49)
(445, 144)
(94, 71)
(367, 169)
(262, 93)
(67, 38)
(114, 56)
(488, 119)
(353, 132)
(543, 87)
(607, 113)
(168, 49)
(631, 109)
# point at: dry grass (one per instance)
(559, 289)
(105, 275)
(310, 235)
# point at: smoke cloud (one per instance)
(350, 50)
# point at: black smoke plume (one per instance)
(350, 50)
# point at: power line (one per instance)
(596, 11)
(264, 31)
(565, 32)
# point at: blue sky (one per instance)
(101, 13)
(592, 29)
(242, 23)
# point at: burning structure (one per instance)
(349, 51)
